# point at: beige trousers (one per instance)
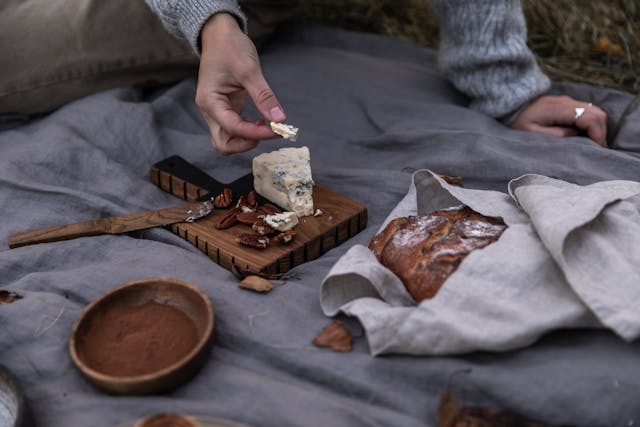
(55, 51)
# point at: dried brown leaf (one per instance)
(256, 283)
(604, 45)
(452, 414)
(7, 297)
(448, 410)
(453, 180)
(336, 337)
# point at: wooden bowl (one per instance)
(185, 297)
(168, 419)
(180, 420)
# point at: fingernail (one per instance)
(277, 115)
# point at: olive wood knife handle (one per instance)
(61, 232)
(112, 225)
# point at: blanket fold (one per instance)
(567, 259)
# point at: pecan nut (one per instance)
(248, 217)
(268, 209)
(262, 228)
(227, 219)
(224, 199)
(252, 201)
(253, 240)
(285, 237)
(243, 205)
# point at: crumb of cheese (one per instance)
(284, 130)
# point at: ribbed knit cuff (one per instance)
(483, 51)
(185, 18)
(505, 96)
(193, 14)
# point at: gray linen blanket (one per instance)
(371, 109)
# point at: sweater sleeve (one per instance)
(483, 50)
(185, 18)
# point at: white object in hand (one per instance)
(284, 130)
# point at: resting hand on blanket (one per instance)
(229, 70)
(557, 116)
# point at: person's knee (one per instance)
(63, 50)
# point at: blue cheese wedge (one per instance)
(283, 221)
(284, 130)
(284, 177)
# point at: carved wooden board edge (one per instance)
(222, 249)
(176, 186)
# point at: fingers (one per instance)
(225, 143)
(594, 122)
(558, 131)
(235, 125)
(230, 133)
(233, 145)
(556, 115)
(219, 111)
(229, 72)
(264, 98)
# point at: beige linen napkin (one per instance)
(568, 259)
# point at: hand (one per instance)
(229, 69)
(556, 115)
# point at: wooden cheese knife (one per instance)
(174, 175)
(113, 225)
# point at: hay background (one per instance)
(585, 41)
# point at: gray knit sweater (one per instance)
(483, 49)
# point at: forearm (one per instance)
(483, 50)
(185, 18)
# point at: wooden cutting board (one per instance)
(342, 218)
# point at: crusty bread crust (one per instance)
(423, 251)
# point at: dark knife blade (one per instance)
(178, 167)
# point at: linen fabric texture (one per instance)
(91, 159)
(567, 260)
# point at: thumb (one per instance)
(265, 99)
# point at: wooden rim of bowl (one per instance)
(207, 333)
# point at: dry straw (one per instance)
(585, 41)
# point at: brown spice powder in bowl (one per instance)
(146, 336)
(125, 341)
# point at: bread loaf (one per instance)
(423, 251)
